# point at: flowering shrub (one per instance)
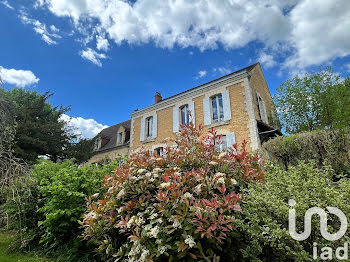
(180, 205)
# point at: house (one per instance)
(238, 105)
(111, 142)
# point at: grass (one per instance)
(6, 238)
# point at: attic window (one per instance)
(120, 137)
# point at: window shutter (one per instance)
(206, 110)
(176, 119)
(265, 114)
(191, 108)
(226, 105)
(142, 131)
(155, 120)
(230, 139)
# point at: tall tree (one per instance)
(320, 100)
(39, 129)
(81, 150)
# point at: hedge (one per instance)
(325, 146)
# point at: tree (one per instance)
(81, 151)
(320, 100)
(39, 130)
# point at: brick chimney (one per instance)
(157, 97)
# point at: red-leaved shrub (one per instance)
(178, 206)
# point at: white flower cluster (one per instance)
(176, 224)
(162, 249)
(152, 231)
(190, 241)
(164, 185)
(137, 250)
(188, 195)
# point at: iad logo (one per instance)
(327, 251)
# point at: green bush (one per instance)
(330, 147)
(48, 204)
(263, 226)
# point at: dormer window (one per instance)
(120, 138)
(184, 115)
(217, 108)
(97, 144)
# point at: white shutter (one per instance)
(265, 114)
(175, 119)
(230, 139)
(226, 105)
(206, 110)
(191, 108)
(142, 131)
(155, 128)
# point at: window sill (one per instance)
(148, 140)
(220, 123)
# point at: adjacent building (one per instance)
(111, 142)
(239, 106)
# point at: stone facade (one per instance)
(240, 90)
(246, 103)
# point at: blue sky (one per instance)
(108, 58)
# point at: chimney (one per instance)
(157, 97)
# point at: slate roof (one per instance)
(245, 69)
(111, 134)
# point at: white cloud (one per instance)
(348, 67)
(102, 43)
(267, 60)
(201, 74)
(7, 4)
(93, 56)
(41, 29)
(222, 70)
(307, 32)
(87, 128)
(20, 78)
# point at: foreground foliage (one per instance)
(179, 206)
(48, 204)
(264, 222)
(6, 239)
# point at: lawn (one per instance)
(5, 240)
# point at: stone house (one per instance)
(238, 105)
(111, 142)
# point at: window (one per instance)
(184, 116)
(97, 144)
(220, 144)
(120, 137)
(262, 109)
(217, 108)
(159, 151)
(149, 126)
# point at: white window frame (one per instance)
(222, 147)
(149, 127)
(220, 114)
(187, 116)
(120, 137)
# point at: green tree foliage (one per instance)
(315, 101)
(263, 226)
(81, 151)
(39, 130)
